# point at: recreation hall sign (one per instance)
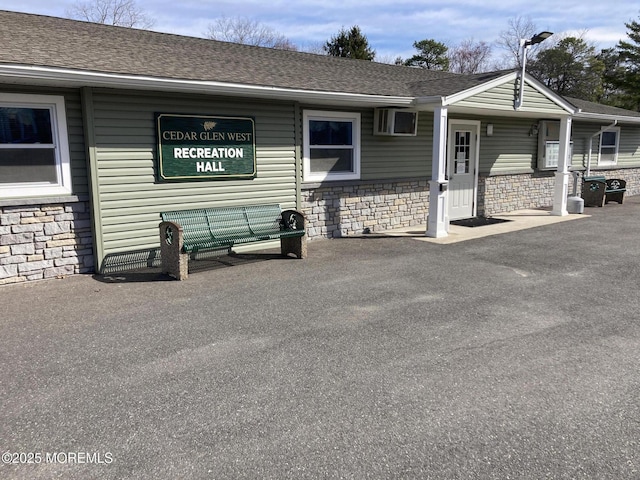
(205, 147)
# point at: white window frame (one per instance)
(60, 137)
(354, 118)
(616, 130)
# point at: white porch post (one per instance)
(438, 220)
(561, 188)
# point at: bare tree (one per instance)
(124, 13)
(469, 57)
(248, 32)
(316, 48)
(389, 59)
(509, 40)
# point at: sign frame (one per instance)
(194, 147)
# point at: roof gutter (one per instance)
(599, 117)
(435, 101)
(52, 76)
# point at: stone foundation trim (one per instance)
(348, 209)
(41, 240)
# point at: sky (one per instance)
(391, 26)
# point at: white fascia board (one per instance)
(551, 95)
(59, 76)
(496, 82)
(510, 77)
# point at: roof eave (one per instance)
(80, 78)
(599, 117)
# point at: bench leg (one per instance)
(614, 197)
(174, 262)
(294, 220)
(295, 245)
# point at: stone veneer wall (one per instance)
(506, 193)
(348, 209)
(44, 241)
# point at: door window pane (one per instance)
(462, 152)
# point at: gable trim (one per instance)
(510, 77)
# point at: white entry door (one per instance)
(462, 168)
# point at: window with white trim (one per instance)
(34, 150)
(331, 146)
(609, 140)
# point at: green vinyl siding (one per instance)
(511, 149)
(77, 148)
(502, 98)
(131, 199)
(628, 147)
(580, 135)
(389, 157)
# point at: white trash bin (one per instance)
(575, 205)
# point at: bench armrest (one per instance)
(174, 260)
(616, 184)
(293, 220)
(171, 234)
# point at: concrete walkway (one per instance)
(515, 221)
(512, 356)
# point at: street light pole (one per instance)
(525, 44)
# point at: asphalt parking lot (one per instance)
(513, 356)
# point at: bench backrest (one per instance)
(226, 222)
(263, 219)
(193, 222)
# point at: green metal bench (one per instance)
(596, 190)
(185, 232)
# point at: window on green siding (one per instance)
(331, 146)
(34, 154)
(609, 147)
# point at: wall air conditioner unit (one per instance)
(549, 145)
(396, 122)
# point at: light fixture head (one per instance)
(540, 37)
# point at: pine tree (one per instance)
(570, 68)
(629, 79)
(432, 55)
(350, 44)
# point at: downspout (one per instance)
(88, 116)
(600, 132)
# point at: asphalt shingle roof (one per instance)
(38, 40)
(599, 109)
